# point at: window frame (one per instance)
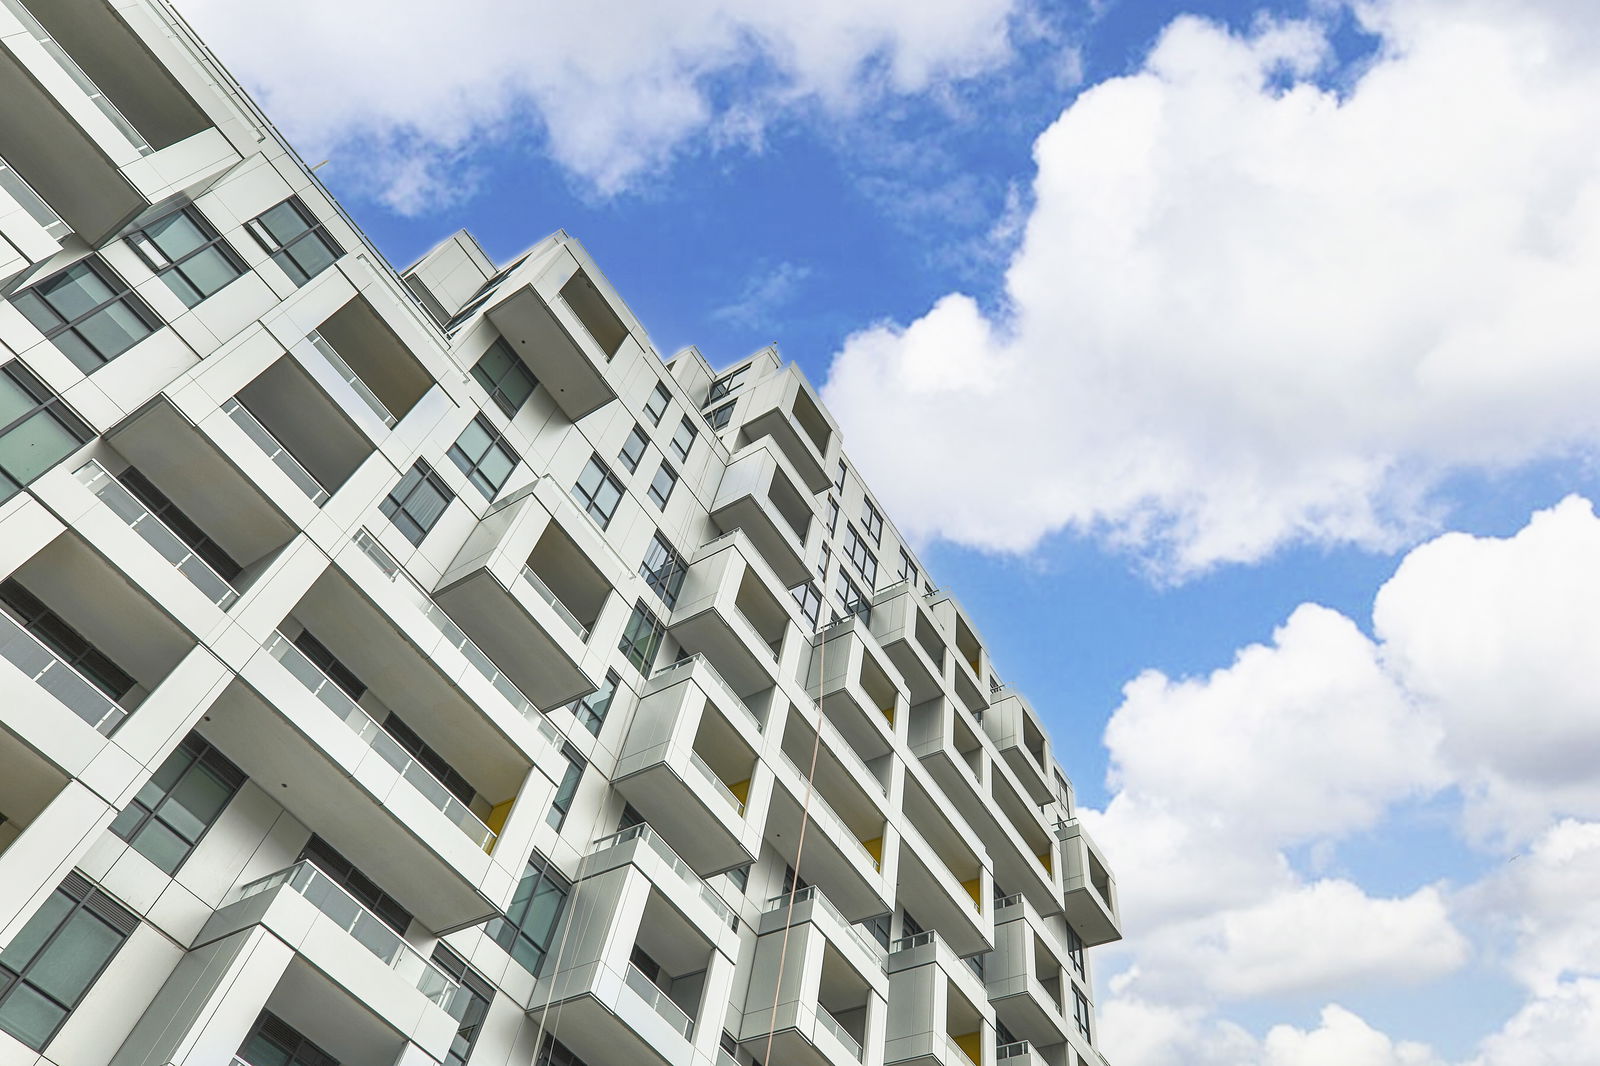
(589, 501)
(658, 393)
(872, 519)
(200, 757)
(726, 385)
(641, 638)
(122, 294)
(510, 934)
(666, 578)
(282, 253)
(908, 569)
(809, 600)
(395, 504)
(660, 498)
(719, 418)
(144, 245)
(566, 788)
(629, 460)
(833, 515)
(860, 556)
(495, 386)
(684, 448)
(590, 710)
(44, 403)
(472, 468)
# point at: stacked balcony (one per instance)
(908, 634)
(760, 493)
(939, 1013)
(1089, 891)
(944, 873)
(1014, 726)
(858, 690)
(733, 611)
(1027, 975)
(359, 361)
(784, 409)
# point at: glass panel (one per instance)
(474, 440)
(73, 959)
(312, 253)
(13, 400)
(176, 235)
(426, 505)
(113, 330)
(209, 271)
(283, 222)
(195, 803)
(77, 349)
(496, 467)
(30, 1017)
(36, 312)
(20, 951)
(161, 846)
(34, 447)
(517, 387)
(77, 292)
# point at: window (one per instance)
(632, 453)
(274, 1040)
(530, 922)
(187, 254)
(598, 492)
(1075, 950)
(656, 408)
(179, 803)
(88, 312)
(810, 601)
(833, 515)
(838, 479)
(54, 633)
(861, 556)
(180, 523)
(739, 877)
(591, 710)
(506, 378)
(663, 570)
(878, 926)
(55, 958)
(482, 454)
(683, 439)
(872, 521)
(342, 872)
(908, 569)
(37, 429)
(555, 1053)
(416, 504)
(642, 638)
(849, 596)
(478, 994)
(720, 418)
(662, 484)
(567, 789)
(822, 566)
(294, 238)
(447, 775)
(726, 385)
(1080, 1013)
(324, 660)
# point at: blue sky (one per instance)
(1260, 342)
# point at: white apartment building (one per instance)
(401, 669)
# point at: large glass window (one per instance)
(366, 891)
(507, 378)
(908, 569)
(88, 312)
(56, 957)
(632, 453)
(484, 456)
(726, 385)
(683, 439)
(598, 491)
(188, 254)
(179, 803)
(416, 504)
(810, 601)
(180, 523)
(1080, 1013)
(324, 660)
(872, 521)
(591, 710)
(37, 429)
(663, 570)
(478, 994)
(849, 595)
(296, 240)
(529, 927)
(641, 639)
(833, 515)
(567, 790)
(656, 406)
(274, 1042)
(435, 763)
(662, 484)
(1075, 950)
(720, 418)
(861, 556)
(54, 633)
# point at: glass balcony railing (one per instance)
(811, 894)
(711, 676)
(75, 72)
(453, 634)
(42, 666)
(824, 815)
(156, 533)
(1017, 1050)
(366, 928)
(725, 1059)
(351, 378)
(31, 202)
(691, 880)
(716, 783)
(658, 1001)
(280, 456)
(387, 747)
(831, 1024)
(555, 602)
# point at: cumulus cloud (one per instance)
(614, 88)
(1261, 302)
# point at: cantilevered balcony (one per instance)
(1027, 976)
(943, 871)
(785, 409)
(1014, 726)
(968, 671)
(760, 493)
(1090, 894)
(526, 588)
(565, 326)
(689, 762)
(947, 741)
(817, 986)
(384, 378)
(1025, 852)
(906, 630)
(301, 431)
(941, 1014)
(856, 684)
(733, 611)
(30, 230)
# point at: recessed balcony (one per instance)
(729, 611)
(784, 409)
(299, 429)
(1025, 853)
(908, 634)
(565, 327)
(1090, 892)
(942, 1015)
(760, 494)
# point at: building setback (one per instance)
(413, 668)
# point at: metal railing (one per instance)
(816, 898)
(42, 665)
(915, 940)
(1016, 1050)
(675, 863)
(453, 634)
(716, 680)
(350, 377)
(378, 739)
(31, 202)
(281, 457)
(366, 928)
(659, 1001)
(555, 602)
(823, 813)
(82, 80)
(156, 533)
(717, 783)
(831, 1024)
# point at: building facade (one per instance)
(413, 668)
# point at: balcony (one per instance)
(785, 409)
(1014, 726)
(844, 844)
(1026, 975)
(1019, 1053)
(689, 766)
(970, 663)
(759, 493)
(942, 1015)
(908, 634)
(858, 688)
(1026, 854)
(525, 586)
(729, 611)
(307, 435)
(566, 328)
(30, 230)
(1090, 892)
(947, 741)
(373, 362)
(944, 873)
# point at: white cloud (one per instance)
(615, 87)
(1558, 1029)
(764, 294)
(1546, 899)
(1245, 314)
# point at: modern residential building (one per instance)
(401, 669)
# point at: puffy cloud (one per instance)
(1561, 1028)
(1146, 1034)
(615, 87)
(1545, 899)
(1249, 309)
(1342, 1039)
